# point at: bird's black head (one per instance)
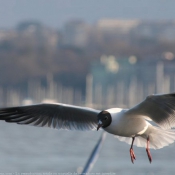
(104, 119)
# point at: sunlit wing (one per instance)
(59, 116)
(159, 108)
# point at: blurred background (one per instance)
(99, 54)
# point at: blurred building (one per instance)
(41, 34)
(76, 33)
(116, 25)
(162, 30)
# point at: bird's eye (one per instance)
(106, 118)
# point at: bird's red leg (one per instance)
(132, 151)
(148, 151)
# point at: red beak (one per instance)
(99, 126)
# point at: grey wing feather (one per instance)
(159, 108)
(58, 116)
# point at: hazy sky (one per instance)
(55, 12)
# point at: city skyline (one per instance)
(57, 12)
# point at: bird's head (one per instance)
(104, 119)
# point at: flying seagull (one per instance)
(130, 125)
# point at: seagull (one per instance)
(148, 124)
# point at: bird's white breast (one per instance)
(123, 125)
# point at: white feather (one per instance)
(158, 138)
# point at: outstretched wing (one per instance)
(159, 108)
(58, 116)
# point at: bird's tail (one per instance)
(158, 138)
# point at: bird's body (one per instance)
(129, 125)
(122, 124)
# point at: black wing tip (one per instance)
(10, 113)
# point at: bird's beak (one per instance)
(99, 126)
